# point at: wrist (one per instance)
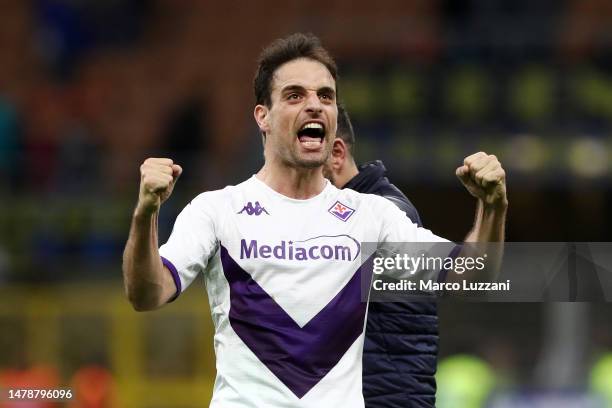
(496, 206)
(143, 212)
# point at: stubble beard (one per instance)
(291, 158)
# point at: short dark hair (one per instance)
(345, 128)
(283, 50)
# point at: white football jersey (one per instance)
(284, 284)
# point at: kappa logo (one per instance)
(251, 209)
(341, 211)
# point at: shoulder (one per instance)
(230, 198)
(395, 195)
(406, 206)
(213, 197)
(373, 202)
(216, 201)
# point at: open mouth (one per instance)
(311, 133)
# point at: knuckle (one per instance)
(158, 161)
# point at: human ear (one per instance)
(261, 117)
(338, 153)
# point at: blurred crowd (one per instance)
(88, 89)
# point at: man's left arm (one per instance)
(483, 176)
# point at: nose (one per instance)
(313, 103)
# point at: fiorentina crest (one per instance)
(341, 211)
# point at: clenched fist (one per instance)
(157, 179)
(484, 177)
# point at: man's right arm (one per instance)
(148, 283)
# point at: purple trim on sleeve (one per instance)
(453, 254)
(175, 277)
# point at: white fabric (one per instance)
(301, 287)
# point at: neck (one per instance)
(345, 175)
(292, 182)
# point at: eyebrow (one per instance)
(293, 88)
(327, 90)
(300, 88)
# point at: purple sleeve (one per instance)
(175, 277)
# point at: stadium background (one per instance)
(88, 89)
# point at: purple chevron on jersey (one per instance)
(299, 356)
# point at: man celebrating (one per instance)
(401, 338)
(280, 252)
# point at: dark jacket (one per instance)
(401, 341)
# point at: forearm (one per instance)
(485, 179)
(147, 284)
(489, 223)
(486, 240)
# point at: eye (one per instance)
(293, 96)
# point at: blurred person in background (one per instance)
(26, 376)
(276, 343)
(9, 145)
(465, 381)
(93, 387)
(399, 364)
(600, 378)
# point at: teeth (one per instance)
(312, 125)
